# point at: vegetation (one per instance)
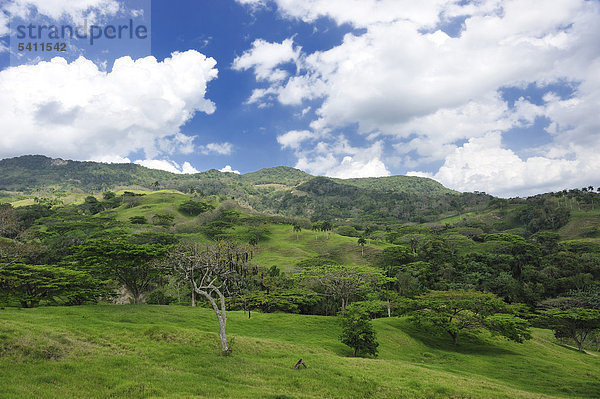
(357, 331)
(574, 323)
(104, 351)
(456, 311)
(405, 263)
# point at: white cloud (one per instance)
(342, 160)
(402, 79)
(265, 58)
(217, 148)
(77, 111)
(360, 13)
(484, 164)
(228, 169)
(111, 159)
(168, 166)
(56, 9)
(294, 138)
(4, 29)
(252, 2)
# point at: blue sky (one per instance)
(493, 95)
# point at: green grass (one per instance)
(582, 224)
(159, 351)
(285, 249)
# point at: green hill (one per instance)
(172, 352)
(399, 184)
(280, 190)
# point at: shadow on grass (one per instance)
(468, 342)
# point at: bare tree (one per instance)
(214, 271)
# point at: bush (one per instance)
(138, 220)
(348, 231)
(163, 219)
(158, 297)
(194, 208)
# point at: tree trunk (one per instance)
(193, 298)
(454, 338)
(223, 335)
(389, 308)
(221, 315)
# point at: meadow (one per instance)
(149, 351)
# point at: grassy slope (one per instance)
(284, 249)
(157, 351)
(581, 224)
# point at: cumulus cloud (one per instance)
(360, 13)
(340, 159)
(228, 169)
(294, 138)
(56, 9)
(169, 166)
(217, 148)
(75, 110)
(401, 78)
(483, 163)
(264, 58)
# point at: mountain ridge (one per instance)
(74, 171)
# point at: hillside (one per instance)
(280, 190)
(159, 351)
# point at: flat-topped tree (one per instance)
(214, 271)
(134, 266)
(342, 282)
(456, 311)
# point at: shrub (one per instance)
(138, 220)
(158, 297)
(194, 208)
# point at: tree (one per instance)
(362, 242)
(9, 222)
(574, 323)
(456, 311)
(30, 284)
(316, 227)
(340, 281)
(297, 229)
(357, 331)
(108, 195)
(163, 219)
(212, 272)
(326, 227)
(138, 220)
(12, 251)
(91, 205)
(194, 208)
(131, 265)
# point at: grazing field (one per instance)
(171, 351)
